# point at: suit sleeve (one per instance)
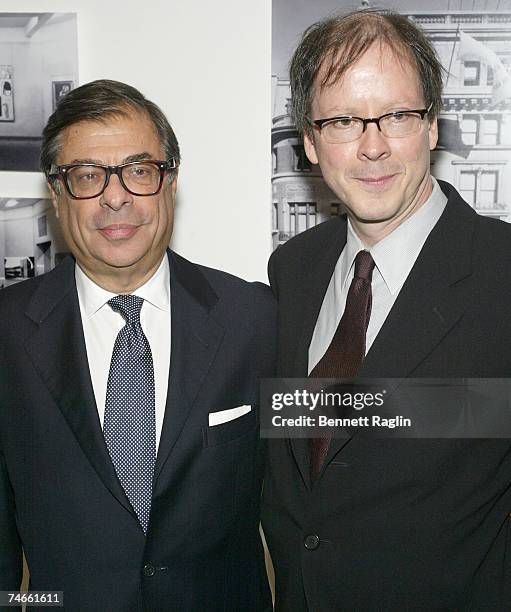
(272, 275)
(11, 564)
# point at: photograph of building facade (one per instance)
(473, 41)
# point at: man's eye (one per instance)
(399, 117)
(343, 123)
(139, 170)
(88, 177)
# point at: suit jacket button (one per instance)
(311, 542)
(148, 570)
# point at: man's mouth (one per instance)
(118, 231)
(376, 182)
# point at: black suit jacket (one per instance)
(59, 494)
(402, 524)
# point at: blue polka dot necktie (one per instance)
(129, 424)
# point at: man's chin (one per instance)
(118, 261)
(369, 215)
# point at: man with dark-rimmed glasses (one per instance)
(130, 465)
(409, 283)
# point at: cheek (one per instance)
(412, 152)
(337, 160)
(76, 224)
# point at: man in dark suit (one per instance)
(410, 283)
(130, 467)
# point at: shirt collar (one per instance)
(156, 290)
(395, 255)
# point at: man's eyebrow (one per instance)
(138, 157)
(130, 158)
(84, 160)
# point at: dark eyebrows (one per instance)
(84, 160)
(144, 156)
(138, 157)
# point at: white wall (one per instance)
(207, 65)
(18, 232)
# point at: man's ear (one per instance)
(433, 133)
(54, 195)
(310, 147)
(173, 184)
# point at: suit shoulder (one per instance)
(306, 244)
(248, 309)
(494, 227)
(312, 239)
(494, 238)
(15, 297)
(297, 253)
(226, 284)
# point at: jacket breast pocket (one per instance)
(231, 431)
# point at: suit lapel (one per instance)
(429, 303)
(195, 338)
(310, 298)
(57, 350)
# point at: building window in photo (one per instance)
(487, 192)
(491, 130)
(302, 215)
(470, 129)
(481, 129)
(335, 209)
(479, 188)
(471, 73)
(302, 163)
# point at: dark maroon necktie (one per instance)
(344, 356)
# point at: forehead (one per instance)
(381, 74)
(116, 136)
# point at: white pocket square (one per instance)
(224, 416)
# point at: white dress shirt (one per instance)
(101, 325)
(394, 257)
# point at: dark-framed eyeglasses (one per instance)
(346, 128)
(140, 178)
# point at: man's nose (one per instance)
(115, 195)
(373, 144)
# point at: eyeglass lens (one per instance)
(348, 129)
(140, 178)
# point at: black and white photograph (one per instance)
(473, 41)
(30, 239)
(59, 90)
(6, 94)
(38, 65)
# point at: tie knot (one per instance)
(364, 265)
(128, 306)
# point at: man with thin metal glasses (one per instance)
(130, 465)
(409, 283)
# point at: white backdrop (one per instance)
(207, 65)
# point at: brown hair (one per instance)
(336, 43)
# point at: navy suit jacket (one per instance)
(59, 495)
(399, 524)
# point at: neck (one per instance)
(121, 280)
